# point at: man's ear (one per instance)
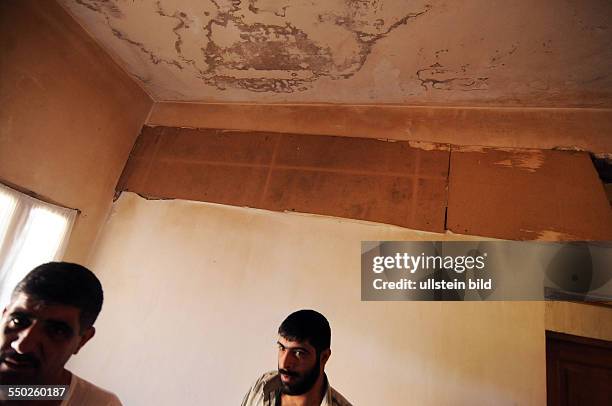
(325, 354)
(87, 335)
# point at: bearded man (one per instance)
(304, 341)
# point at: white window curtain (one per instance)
(32, 232)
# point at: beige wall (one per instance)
(195, 292)
(69, 114)
(580, 319)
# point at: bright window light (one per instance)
(7, 208)
(32, 232)
(41, 242)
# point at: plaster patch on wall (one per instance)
(529, 161)
(428, 146)
(550, 235)
(469, 148)
(521, 158)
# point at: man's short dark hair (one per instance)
(65, 283)
(307, 325)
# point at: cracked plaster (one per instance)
(360, 51)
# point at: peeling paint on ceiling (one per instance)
(548, 53)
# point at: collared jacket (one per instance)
(266, 392)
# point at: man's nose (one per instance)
(286, 360)
(27, 340)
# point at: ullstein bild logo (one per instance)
(487, 270)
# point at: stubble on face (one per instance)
(42, 359)
(295, 376)
(303, 382)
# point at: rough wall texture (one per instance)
(386, 182)
(527, 195)
(69, 114)
(513, 194)
(443, 52)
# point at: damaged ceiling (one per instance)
(549, 53)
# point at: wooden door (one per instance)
(578, 371)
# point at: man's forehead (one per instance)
(25, 303)
(289, 343)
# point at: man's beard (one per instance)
(304, 383)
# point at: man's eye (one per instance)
(299, 353)
(58, 331)
(18, 321)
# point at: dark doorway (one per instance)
(578, 371)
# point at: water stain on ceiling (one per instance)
(360, 51)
